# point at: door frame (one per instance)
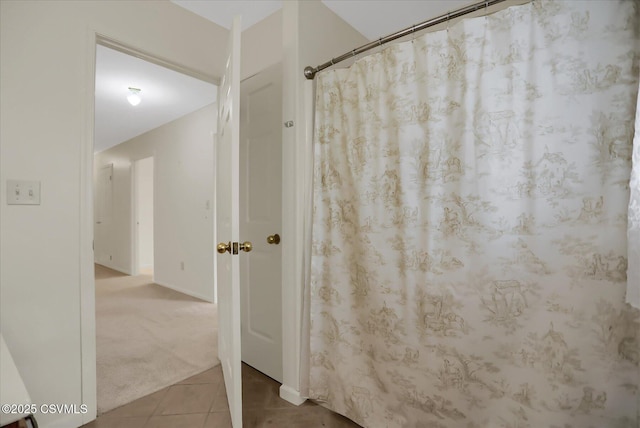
(87, 290)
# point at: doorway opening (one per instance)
(155, 314)
(200, 203)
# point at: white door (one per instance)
(143, 215)
(103, 210)
(227, 227)
(260, 220)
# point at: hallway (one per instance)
(148, 337)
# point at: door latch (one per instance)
(232, 248)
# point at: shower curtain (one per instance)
(469, 250)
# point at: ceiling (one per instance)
(372, 18)
(167, 95)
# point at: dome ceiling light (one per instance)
(134, 96)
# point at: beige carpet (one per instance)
(148, 337)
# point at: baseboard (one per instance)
(183, 291)
(114, 267)
(291, 395)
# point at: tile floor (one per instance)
(201, 402)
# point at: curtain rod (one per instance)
(310, 72)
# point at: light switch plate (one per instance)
(23, 192)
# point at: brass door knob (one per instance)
(224, 247)
(246, 246)
(273, 239)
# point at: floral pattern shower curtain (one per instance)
(470, 215)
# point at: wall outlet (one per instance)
(22, 192)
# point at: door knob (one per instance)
(223, 248)
(273, 239)
(246, 246)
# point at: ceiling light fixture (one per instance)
(134, 96)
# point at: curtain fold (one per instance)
(633, 228)
(469, 250)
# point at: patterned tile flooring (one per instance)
(201, 402)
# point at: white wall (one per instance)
(266, 36)
(47, 52)
(312, 34)
(183, 201)
(143, 200)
